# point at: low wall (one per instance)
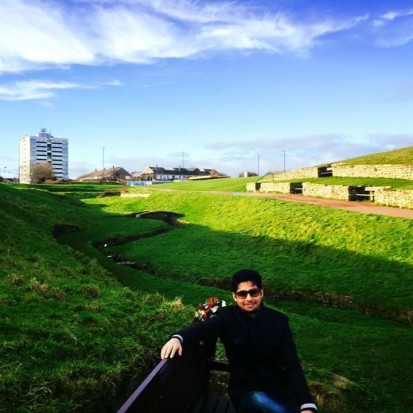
(134, 195)
(253, 186)
(373, 171)
(326, 191)
(297, 174)
(281, 187)
(401, 199)
(379, 195)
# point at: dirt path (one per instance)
(362, 207)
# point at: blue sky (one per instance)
(230, 85)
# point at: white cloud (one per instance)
(51, 33)
(34, 34)
(43, 89)
(394, 28)
(33, 89)
(300, 152)
(267, 155)
(392, 15)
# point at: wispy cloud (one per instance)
(42, 89)
(93, 32)
(392, 15)
(33, 89)
(394, 28)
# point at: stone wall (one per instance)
(253, 186)
(326, 191)
(379, 195)
(280, 187)
(296, 174)
(401, 199)
(373, 171)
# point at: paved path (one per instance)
(362, 207)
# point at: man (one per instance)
(266, 374)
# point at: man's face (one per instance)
(251, 301)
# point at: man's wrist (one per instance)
(180, 338)
(308, 407)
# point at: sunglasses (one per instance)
(254, 292)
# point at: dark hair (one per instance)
(245, 275)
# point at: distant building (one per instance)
(116, 174)
(43, 148)
(160, 174)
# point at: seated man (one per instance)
(266, 374)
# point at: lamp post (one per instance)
(258, 161)
(284, 160)
(103, 164)
(4, 174)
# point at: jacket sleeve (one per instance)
(202, 330)
(293, 369)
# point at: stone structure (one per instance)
(400, 198)
(279, 187)
(373, 171)
(379, 195)
(391, 171)
(340, 192)
(302, 173)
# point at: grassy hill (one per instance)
(402, 156)
(68, 328)
(78, 331)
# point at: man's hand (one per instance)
(171, 347)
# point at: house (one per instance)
(116, 174)
(160, 174)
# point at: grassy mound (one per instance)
(402, 156)
(73, 338)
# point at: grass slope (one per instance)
(402, 156)
(294, 246)
(222, 184)
(71, 334)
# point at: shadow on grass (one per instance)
(291, 270)
(317, 280)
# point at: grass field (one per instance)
(78, 329)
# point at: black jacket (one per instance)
(260, 350)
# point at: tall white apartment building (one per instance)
(40, 149)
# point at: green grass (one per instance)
(402, 156)
(222, 184)
(295, 246)
(68, 328)
(75, 325)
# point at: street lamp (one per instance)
(4, 174)
(258, 161)
(103, 164)
(284, 160)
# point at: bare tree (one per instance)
(41, 172)
(246, 174)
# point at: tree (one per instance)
(41, 172)
(246, 174)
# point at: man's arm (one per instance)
(295, 373)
